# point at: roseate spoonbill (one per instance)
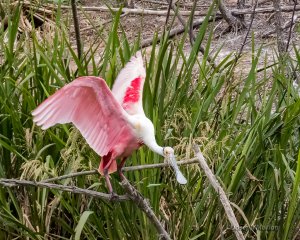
(112, 122)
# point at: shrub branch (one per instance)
(76, 27)
(223, 198)
(143, 204)
(125, 169)
(15, 182)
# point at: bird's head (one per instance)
(168, 151)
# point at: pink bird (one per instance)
(113, 122)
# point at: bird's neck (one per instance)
(156, 148)
(145, 131)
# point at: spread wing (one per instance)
(88, 103)
(128, 87)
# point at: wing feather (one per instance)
(128, 87)
(89, 104)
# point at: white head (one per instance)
(168, 151)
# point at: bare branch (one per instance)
(143, 204)
(76, 27)
(169, 10)
(232, 21)
(248, 31)
(71, 175)
(125, 169)
(191, 33)
(292, 24)
(264, 10)
(223, 198)
(140, 11)
(72, 189)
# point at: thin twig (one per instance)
(168, 13)
(71, 175)
(76, 27)
(159, 165)
(223, 198)
(191, 34)
(292, 24)
(125, 169)
(178, 14)
(72, 189)
(248, 31)
(143, 204)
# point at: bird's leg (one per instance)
(120, 166)
(114, 196)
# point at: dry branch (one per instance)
(223, 198)
(143, 204)
(232, 20)
(293, 19)
(191, 33)
(247, 33)
(125, 169)
(139, 11)
(264, 10)
(169, 10)
(72, 189)
(76, 27)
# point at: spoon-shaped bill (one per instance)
(179, 176)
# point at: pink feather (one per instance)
(89, 104)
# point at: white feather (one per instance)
(132, 70)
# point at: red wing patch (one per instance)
(132, 94)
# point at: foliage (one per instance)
(248, 128)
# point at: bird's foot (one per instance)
(113, 197)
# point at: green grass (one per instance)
(248, 129)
